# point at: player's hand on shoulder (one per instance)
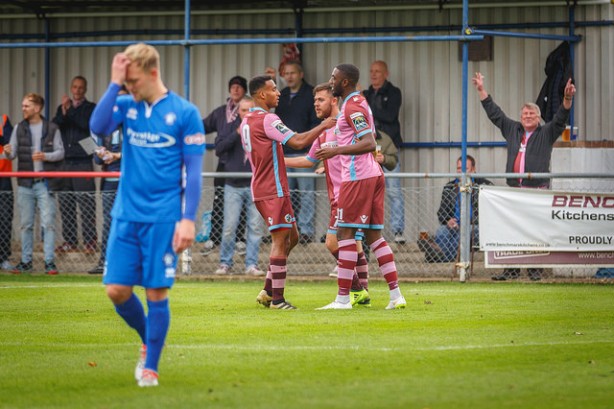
(326, 153)
(329, 122)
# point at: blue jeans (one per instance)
(235, 198)
(448, 241)
(27, 199)
(394, 195)
(307, 200)
(108, 192)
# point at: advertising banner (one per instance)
(521, 259)
(540, 220)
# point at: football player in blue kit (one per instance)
(153, 215)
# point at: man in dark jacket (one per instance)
(296, 110)
(385, 102)
(529, 145)
(448, 234)
(73, 118)
(222, 121)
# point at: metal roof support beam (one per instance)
(278, 40)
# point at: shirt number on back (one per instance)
(247, 143)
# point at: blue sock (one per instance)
(158, 321)
(132, 312)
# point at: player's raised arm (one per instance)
(304, 139)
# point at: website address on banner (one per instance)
(597, 255)
(532, 245)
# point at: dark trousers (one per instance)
(6, 218)
(108, 192)
(78, 192)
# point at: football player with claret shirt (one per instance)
(153, 215)
(263, 135)
(361, 196)
(326, 105)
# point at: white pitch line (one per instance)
(274, 348)
(63, 285)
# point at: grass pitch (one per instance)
(474, 345)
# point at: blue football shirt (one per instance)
(156, 139)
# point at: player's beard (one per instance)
(337, 91)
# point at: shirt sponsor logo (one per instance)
(149, 139)
(198, 139)
(359, 121)
(281, 127)
(132, 113)
(170, 118)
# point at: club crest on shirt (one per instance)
(364, 218)
(359, 121)
(170, 118)
(132, 114)
(280, 126)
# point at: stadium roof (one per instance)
(46, 7)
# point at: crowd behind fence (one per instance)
(422, 200)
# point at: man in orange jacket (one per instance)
(6, 198)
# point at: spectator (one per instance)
(295, 109)
(386, 152)
(221, 120)
(6, 198)
(37, 143)
(73, 117)
(263, 135)
(529, 146)
(385, 102)
(237, 198)
(362, 191)
(272, 72)
(447, 237)
(109, 156)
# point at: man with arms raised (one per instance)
(163, 133)
(361, 196)
(263, 135)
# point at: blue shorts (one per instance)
(140, 254)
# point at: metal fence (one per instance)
(421, 195)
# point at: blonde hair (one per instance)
(144, 56)
(36, 99)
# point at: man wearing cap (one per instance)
(222, 121)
